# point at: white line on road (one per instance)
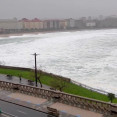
(4, 115)
(8, 114)
(22, 112)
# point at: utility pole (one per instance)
(36, 78)
(35, 69)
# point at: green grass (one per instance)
(47, 80)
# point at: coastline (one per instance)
(44, 32)
(17, 34)
(33, 33)
(46, 78)
(62, 77)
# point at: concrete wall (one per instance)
(78, 101)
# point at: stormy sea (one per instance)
(88, 57)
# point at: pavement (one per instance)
(14, 79)
(41, 104)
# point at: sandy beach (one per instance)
(35, 33)
(19, 34)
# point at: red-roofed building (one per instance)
(26, 23)
(36, 24)
(24, 20)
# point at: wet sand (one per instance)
(19, 34)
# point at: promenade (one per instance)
(41, 104)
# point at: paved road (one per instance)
(19, 111)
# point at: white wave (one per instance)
(88, 57)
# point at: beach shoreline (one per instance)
(33, 33)
(44, 32)
(19, 34)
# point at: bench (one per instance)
(30, 82)
(52, 89)
(53, 111)
(9, 76)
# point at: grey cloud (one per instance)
(56, 8)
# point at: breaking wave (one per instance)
(88, 57)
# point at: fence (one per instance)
(93, 89)
(29, 69)
(53, 75)
(78, 101)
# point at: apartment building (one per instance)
(14, 25)
(63, 24)
(51, 24)
(25, 24)
(90, 24)
(10, 24)
(45, 25)
(70, 23)
(80, 24)
(36, 24)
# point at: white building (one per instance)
(90, 24)
(10, 24)
(70, 23)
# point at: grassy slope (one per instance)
(71, 88)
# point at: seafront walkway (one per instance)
(14, 79)
(39, 102)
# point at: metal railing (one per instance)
(91, 88)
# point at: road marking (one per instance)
(22, 112)
(8, 115)
(5, 115)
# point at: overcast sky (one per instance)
(56, 8)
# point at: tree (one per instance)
(58, 83)
(39, 75)
(111, 97)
